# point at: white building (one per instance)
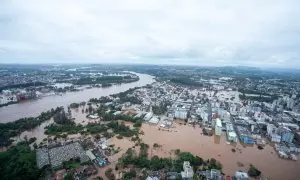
(240, 175)
(218, 127)
(271, 129)
(152, 178)
(275, 138)
(90, 155)
(154, 120)
(231, 135)
(187, 172)
(148, 116)
(181, 114)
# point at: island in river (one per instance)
(33, 108)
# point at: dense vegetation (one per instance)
(110, 116)
(129, 175)
(161, 109)
(109, 174)
(106, 80)
(19, 162)
(185, 81)
(8, 103)
(259, 98)
(74, 105)
(61, 117)
(55, 129)
(125, 98)
(103, 99)
(131, 99)
(167, 164)
(121, 129)
(106, 84)
(25, 85)
(94, 128)
(251, 91)
(12, 129)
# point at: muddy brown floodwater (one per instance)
(188, 138)
(124, 144)
(191, 139)
(35, 107)
(39, 131)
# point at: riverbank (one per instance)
(32, 108)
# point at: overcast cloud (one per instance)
(200, 32)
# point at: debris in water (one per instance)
(260, 147)
(240, 164)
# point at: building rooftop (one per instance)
(64, 153)
(218, 122)
(42, 157)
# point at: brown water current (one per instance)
(33, 108)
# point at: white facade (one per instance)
(148, 116)
(187, 172)
(90, 155)
(241, 175)
(232, 137)
(271, 128)
(218, 127)
(181, 114)
(154, 120)
(204, 116)
(275, 138)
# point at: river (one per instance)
(33, 108)
(182, 137)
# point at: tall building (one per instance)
(218, 127)
(209, 109)
(286, 134)
(231, 135)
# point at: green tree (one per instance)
(129, 175)
(253, 171)
(18, 162)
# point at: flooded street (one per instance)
(35, 107)
(38, 132)
(188, 138)
(183, 137)
(191, 139)
(124, 144)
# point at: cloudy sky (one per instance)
(198, 32)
